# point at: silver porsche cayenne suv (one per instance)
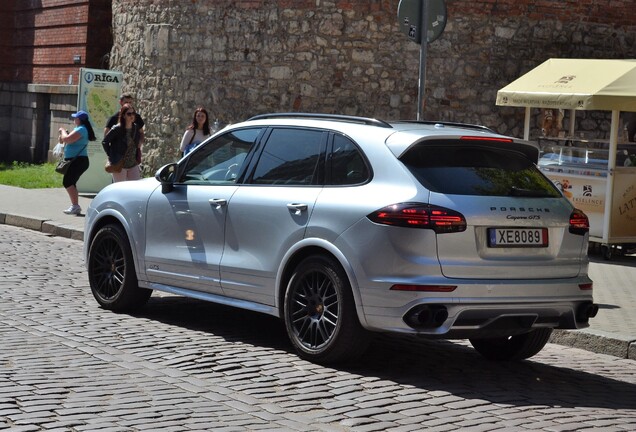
(345, 227)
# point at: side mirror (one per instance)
(166, 176)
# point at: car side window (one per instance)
(347, 163)
(291, 157)
(220, 161)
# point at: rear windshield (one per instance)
(477, 170)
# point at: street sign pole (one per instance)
(422, 78)
(422, 21)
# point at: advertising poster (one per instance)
(623, 222)
(586, 193)
(98, 95)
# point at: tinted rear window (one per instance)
(477, 170)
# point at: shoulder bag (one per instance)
(64, 164)
(114, 168)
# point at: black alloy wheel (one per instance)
(320, 314)
(111, 271)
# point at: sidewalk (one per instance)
(612, 332)
(41, 210)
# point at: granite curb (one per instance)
(597, 341)
(44, 225)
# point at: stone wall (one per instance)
(241, 58)
(30, 116)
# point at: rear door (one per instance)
(270, 211)
(517, 221)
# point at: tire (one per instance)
(320, 313)
(517, 347)
(606, 251)
(111, 272)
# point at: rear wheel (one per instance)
(320, 314)
(111, 271)
(517, 347)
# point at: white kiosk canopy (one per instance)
(582, 84)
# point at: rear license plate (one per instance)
(517, 237)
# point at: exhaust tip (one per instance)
(427, 316)
(594, 310)
(587, 311)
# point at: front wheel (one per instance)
(320, 313)
(517, 347)
(111, 271)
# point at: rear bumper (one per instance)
(448, 318)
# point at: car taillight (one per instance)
(485, 138)
(418, 215)
(579, 223)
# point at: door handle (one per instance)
(297, 208)
(218, 202)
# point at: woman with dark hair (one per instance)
(122, 145)
(197, 132)
(76, 149)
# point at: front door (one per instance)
(186, 225)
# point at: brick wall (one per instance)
(44, 36)
(38, 42)
(6, 31)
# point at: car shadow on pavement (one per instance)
(552, 378)
(607, 306)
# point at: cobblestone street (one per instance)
(182, 365)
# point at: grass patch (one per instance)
(30, 176)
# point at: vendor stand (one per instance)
(586, 170)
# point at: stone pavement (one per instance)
(612, 331)
(180, 365)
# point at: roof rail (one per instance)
(445, 123)
(344, 118)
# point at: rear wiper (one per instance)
(515, 191)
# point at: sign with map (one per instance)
(98, 95)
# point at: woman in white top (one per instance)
(197, 132)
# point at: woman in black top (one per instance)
(122, 145)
